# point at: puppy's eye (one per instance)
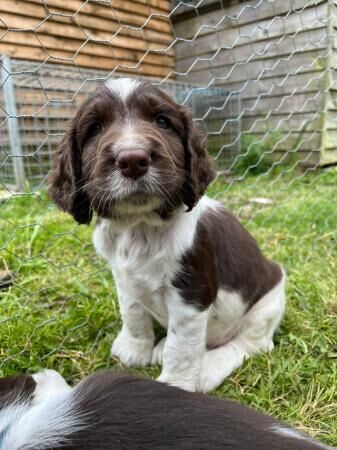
(163, 122)
(94, 129)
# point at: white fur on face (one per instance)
(123, 87)
(131, 138)
(122, 188)
(126, 193)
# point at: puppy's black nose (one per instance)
(133, 163)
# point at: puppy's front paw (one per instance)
(131, 351)
(185, 384)
(213, 371)
(157, 354)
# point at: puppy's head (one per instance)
(130, 148)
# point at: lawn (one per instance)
(61, 312)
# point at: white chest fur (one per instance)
(144, 258)
(145, 255)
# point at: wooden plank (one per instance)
(156, 23)
(152, 31)
(46, 95)
(257, 69)
(278, 85)
(242, 13)
(109, 23)
(40, 114)
(120, 66)
(294, 122)
(273, 48)
(37, 96)
(89, 27)
(70, 48)
(50, 97)
(114, 50)
(164, 5)
(139, 7)
(58, 79)
(265, 30)
(296, 102)
(49, 111)
(302, 82)
(238, 15)
(120, 11)
(39, 140)
(32, 126)
(281, 125)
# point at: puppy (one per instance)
(114, 412)
(134, 156)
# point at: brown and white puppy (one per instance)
(107, 411)
(134, 156)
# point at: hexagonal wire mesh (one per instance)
(40, 100)
(259, 76)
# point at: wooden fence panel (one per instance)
(274, 55)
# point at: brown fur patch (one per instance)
(224, 255)
(129, 413)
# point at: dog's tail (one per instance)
(48, 421)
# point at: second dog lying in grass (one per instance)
(119, 412)
(135, 157)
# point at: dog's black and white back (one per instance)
(135, 157)
(119, 412)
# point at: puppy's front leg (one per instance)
(134, 344)
(185, 344)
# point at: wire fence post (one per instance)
(13, 124)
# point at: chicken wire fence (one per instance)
(260, 78)
(40, 101)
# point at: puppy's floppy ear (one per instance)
(66, 179)
(198, 165)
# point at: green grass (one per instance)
(61, 312)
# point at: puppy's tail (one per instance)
(46, 423)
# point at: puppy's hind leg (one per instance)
(255, 335)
